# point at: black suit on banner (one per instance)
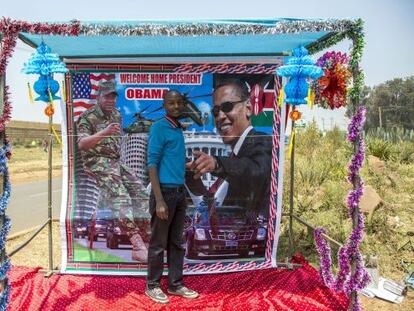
(247, 173)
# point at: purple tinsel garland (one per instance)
(344, 280)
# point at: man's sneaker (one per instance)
(156, 294)
(183, 292)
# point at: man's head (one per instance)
(173, 104)
(107, 95)
(231, 110)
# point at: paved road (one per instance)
(28, 204)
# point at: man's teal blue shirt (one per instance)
(166, 151)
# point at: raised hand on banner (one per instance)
(203, 163)
(113, 129)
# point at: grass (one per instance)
(33, 159)
(82, 253)
(319, 198)
(321, 189)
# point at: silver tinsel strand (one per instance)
(221, 28)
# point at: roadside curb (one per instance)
(26, 231)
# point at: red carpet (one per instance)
(271, 289)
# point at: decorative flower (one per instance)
(49, 110)
(295, 115)
(331, 89)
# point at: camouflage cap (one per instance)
(107, 87)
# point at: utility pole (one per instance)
(380, 117)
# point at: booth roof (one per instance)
(198, 38)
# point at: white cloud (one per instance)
(204, 107)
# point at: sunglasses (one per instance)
(225, 107)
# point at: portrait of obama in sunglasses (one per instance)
(244, 175)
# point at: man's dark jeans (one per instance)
(167, 234)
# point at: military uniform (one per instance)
(117, 182)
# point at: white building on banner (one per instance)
(207, 142)
(134, 154)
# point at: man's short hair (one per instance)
(107, 87)
(239, 85)
(173, 91)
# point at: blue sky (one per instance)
(389, 29)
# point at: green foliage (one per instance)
(333, 197)
(390, 105)
(319, 162)
(379, 148)
(335, 138)
(363, 99)
(405, 152)
(312, 174)
(400, 152)
(396, 134)
(320, 157)
(308, 139)
(16, 142)
(321, 189)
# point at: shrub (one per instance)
(309, 139)
(380, 148)
(405, 152)
(335, 138)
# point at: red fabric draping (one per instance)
(271, 289)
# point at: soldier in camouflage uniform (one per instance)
(99, 140)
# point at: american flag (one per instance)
(85, 87)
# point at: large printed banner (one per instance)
(232, 218)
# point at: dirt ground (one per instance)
(31, 164)
(36, 253)
(27, 177)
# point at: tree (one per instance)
(390, 104)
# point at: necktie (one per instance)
(212, 203)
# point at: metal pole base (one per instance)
(49, 273)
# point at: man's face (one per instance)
(107, 102)
(173, 104)
(232, 124)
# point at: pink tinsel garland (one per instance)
(6, 110)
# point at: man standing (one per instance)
(99, 140)
(246, 173)
(166, 165)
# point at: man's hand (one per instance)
(161, 210)
(203, 164)
(88, 142)
(113, 129)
